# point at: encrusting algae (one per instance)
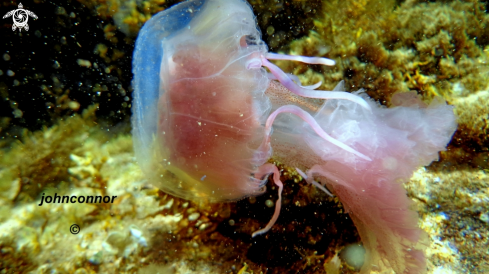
(436, 49)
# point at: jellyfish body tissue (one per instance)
(207, 116)
(398, 140)
(198, 111)
(201, 117)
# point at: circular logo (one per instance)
(74, 229)
(20, 17)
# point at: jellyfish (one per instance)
(201, 111)
(210, 110)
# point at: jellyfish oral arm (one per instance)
(268, 169)
(287, 82)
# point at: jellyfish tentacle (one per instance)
(303, 59)
(265, 145)
(315, 86)
(285, 80)
(313, 182)
(264, 170)
(302, 173)
(297, 80)
(321, 187)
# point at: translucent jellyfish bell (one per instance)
(198, 110)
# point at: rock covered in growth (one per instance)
(42, 159)
(427, 47)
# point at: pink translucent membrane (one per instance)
(264, 147)
(269, 168)
(398, 140)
